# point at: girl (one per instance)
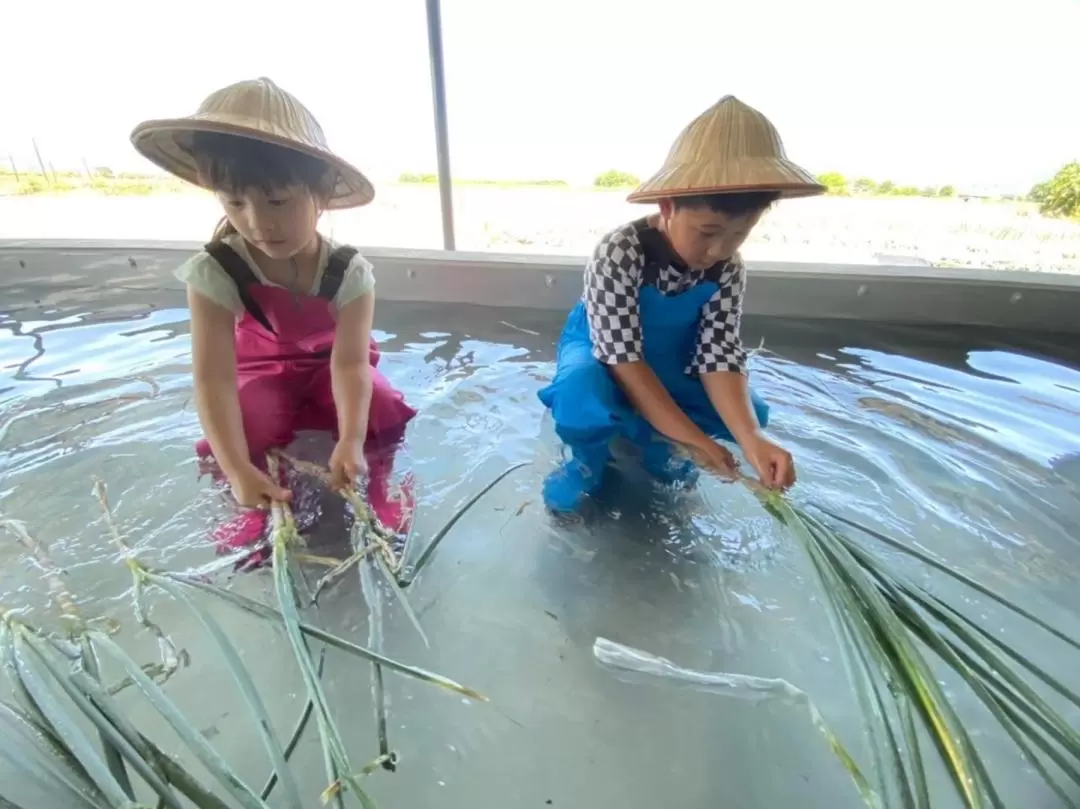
(280, 315)
(652, 352)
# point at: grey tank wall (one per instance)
(907, 294)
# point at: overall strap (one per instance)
(659, 255)
(716, 272)
(654, 250)
(650, 276)
(334, 274)
(242, 275)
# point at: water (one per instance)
(965, 443)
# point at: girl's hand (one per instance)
(253, 488)
(774, 464)
(347, 463)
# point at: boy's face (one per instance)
(701, 236)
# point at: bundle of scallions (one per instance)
(891, 628)
(893, 631)
(886, 621)
(60, 702)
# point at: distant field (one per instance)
(103, 181)
(566, 221)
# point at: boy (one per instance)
(652, 351)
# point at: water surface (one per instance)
(965, 443)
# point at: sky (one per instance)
(979, 94)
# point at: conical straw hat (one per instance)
(257, 109)
(730, 147)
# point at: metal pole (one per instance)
(442, 137)
(44, 171)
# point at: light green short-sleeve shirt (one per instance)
(203, 274)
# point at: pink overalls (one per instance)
(283, 344)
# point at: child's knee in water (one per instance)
(582, 475)
(567, 486)
(582, 399)
(583, 372)
(663, 461)
(761, 410)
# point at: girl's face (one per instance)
(280, 223)
(702, 237)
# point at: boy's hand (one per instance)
(716, 458)
(253, 488)
(347, 463)
(774, 464)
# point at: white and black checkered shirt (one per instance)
(617, 271)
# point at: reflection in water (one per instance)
(955, 443)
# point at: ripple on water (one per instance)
(967, 458)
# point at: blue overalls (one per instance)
(589, 409)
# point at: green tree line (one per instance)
(837, 185)
(611, 179)
(101, 180)
(1060, 195)
(416, 178)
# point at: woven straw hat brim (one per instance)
(729, 148)
(168, 143)
(729, 177)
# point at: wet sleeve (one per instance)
(205, 276)
(719, 345)
(612, 279)
(358, 281)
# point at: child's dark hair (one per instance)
(233, 164)
(739, 203)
